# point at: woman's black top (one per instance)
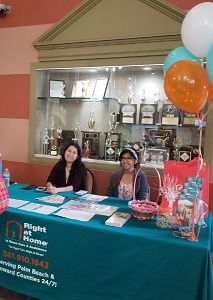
(57, 176)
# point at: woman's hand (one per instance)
(51, 188)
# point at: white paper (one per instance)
(75, 214)
(106, 210)
(92, 197)
(98, 209)
(39, 208)
(81, 192)
(118, 219)
(46, 209)
(16, 202)
(56, 199)
(30, 207)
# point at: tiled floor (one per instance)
(9, 295)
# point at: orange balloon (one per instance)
(186, 85)
(210, 95)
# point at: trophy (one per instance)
(143, 95)
(130, 92)
(59, 131)
(53, 143)
(110, 149)
(128, 144)
(59, 138)
(143, 145)
(52, 128)
(77, 127)
(177, 143)
(91, 121)
(45, 142)
(113, 122)
(86, 149)
(108, 141)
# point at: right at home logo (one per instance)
(26, 232)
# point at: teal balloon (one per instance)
(209, 64)
(180, 53)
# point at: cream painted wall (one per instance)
(14, 139)
(16, 41)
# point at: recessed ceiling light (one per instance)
(147, 68)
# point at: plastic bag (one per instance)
(182, 170)
(4, 199)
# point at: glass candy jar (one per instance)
(165, 217)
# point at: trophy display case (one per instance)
(104, 109)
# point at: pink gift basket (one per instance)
(143, 209)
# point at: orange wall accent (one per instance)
(185, 4)
(14, 91)
(28, 173)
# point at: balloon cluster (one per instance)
(186, 83)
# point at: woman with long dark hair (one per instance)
(128, 182)
(69, 172)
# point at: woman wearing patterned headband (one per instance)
(121, 183)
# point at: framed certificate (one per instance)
(148, 113)
(128, 113)
(100, 88)
(56, 89)
(90, 144)
(185, 153)
(159, 137)
(170, 115)
(80, 88)
(188, 119)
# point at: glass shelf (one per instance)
(78, 99)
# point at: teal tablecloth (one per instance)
(53, 258)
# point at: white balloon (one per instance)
(197, 29)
